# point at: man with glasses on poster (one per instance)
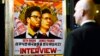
(32, 18)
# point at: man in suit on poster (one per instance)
(32, 18)
(85, 40)
(46, 23)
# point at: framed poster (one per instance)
(37, 27)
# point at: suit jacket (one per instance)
(39, 36)
(21, 36)
(83, 41)
(51, 36)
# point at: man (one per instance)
(32, 18)
(46, 22)
(85, 40)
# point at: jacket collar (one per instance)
(87, 21)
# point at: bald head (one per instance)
(84, 10)
(87, 5)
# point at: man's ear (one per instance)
(83, 12)
(28, 19)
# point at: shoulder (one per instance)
(21, 36)
(53, 36)
(89, 29)
(76, 33)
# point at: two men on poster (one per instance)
(38, 24)
(41, 28)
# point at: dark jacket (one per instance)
(83, 41)
(51, 36)
(21, 36)
(38, 35)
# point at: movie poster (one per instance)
(39, 27)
